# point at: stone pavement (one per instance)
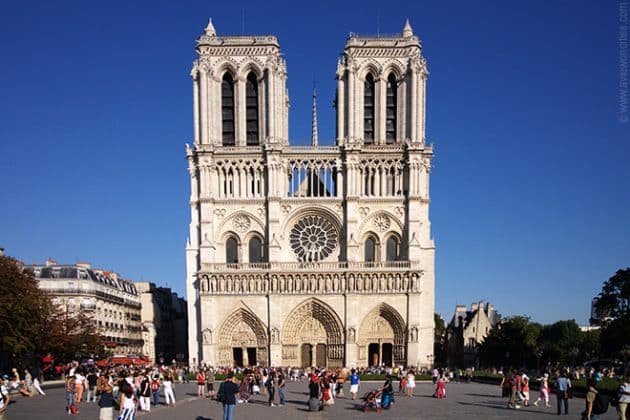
(463, 401)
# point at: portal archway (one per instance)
(313, 327)
(242, 340)
(382, 337)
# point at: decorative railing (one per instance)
(310, 266)
(310, 278)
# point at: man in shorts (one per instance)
(354, 383)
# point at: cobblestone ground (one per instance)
(470, 401)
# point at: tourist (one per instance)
(229, 389)
(354, 383)
(5, 399)
(591, 386)
(169, 385)
(145, 393)
(106, 401)
(79, 383)
(91, 385)
(341, 380)
(544, 390)
(411, 382)
(624, 397)
(525, 389)
(440, 390)
(271, 389)
(281, 385)
(126, 402)
(155, 390)
(243, 389)
(563, 387)
(70, 395)
(210, 378)
(37, 386)
(201, 383)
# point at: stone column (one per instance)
(351, 102)
(340, 110)
(241, 131)
(414, 105)
(204, 106)
(271, 100)
(195, 76)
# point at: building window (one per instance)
(393, 249)
(227, 108)
(231, 251)
(370, 249)
(251, 104)
(390, 111)
(368, 109)
(255, 250)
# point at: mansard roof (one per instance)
(79, 272)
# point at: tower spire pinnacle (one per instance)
(407, 31)
(210, 31)
(314, 140)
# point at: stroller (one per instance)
(372, 401)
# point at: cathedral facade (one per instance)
(309, 255)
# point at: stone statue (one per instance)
(351, 334)
(207, 336)
(275, 336)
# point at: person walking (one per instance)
(229, 389)
(145, 393)
(70, 395)
(411, 383)
(591, 394)
(563, 387)
(210, 378)
(126, 402)
(201, 383)
(354, 383)
(281, 384)
(106, 401)
(271, 390)
(544, 390)
(5, 399)
(91, 389)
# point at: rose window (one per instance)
(313, 238)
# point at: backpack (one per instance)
(221, 393)
(600, 404)
(155, 385)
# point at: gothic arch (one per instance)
(224, 226)
(250, 65)
(395, 67)
(242, 329)
(313, 322)
(383, 324)
(227, 65)
(395, 225)
(371, 66)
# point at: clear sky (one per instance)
(530, 188)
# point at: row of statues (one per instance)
(311, 283)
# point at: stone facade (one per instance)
(161, 315)
(467, 330)
(302, 255)
(111, 301)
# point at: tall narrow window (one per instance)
(370, 249)
(231, 250)
(393, 249)
(368, 109)
(251, 104)
(255, 250)
(227, 109)
(390, 111)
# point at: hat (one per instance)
(546, 375)
(5, 376)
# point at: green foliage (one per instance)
(613, 306)
(439, 340)
(32, 326)
(511, 343)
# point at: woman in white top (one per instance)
(411, 383)
(127, 403)
(169, 396)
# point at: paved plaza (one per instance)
(464, 401)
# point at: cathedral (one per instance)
(309, 255)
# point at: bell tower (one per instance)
(239, 88)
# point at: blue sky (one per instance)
(530, 187)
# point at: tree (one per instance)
(512, 343)
(32, 326)
(613, 307)
(439, 340)
(561, 342)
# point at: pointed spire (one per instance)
(314, 139)
(210, 31)
(407, 31)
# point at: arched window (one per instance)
(231, 250)
(255, 250)
(368, 109)
(251, 104)
(393, 249)
(370, 249)
(227, 109)
(390, 110)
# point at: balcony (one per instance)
(337, 277)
